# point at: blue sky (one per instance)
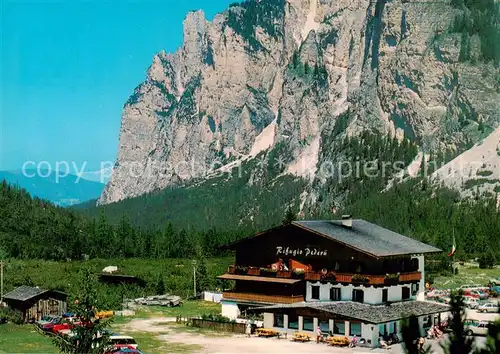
(68, 67)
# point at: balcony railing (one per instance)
(269, 299)
(337, 277)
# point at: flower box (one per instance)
(268, 272)
(360, 278)
(241, 270)
(284, 274)
(328, 277)
(391, 278)
(253, 271)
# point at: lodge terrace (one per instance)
(349, 277)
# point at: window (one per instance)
(358, 295)
(405, 293)
(279, 320)
(293, 322)
(414, 264)
(324, 326)
(414, 288)
(307, 324)
(384, 295)
(381, 329)
(339, 327)
(335, 294)
(355, 328)
(315, 292)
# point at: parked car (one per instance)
(473, 287)
(436, 294)
(118, 341)
(61, 326)
(488, 307)
(471, 302)
(46, 319)
(47, 327)
(476, 328)
(476, 294)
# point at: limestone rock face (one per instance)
(271, 72)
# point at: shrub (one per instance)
(486, 260)
(10, 315)
(215, 317)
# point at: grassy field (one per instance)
(177, 275)
(24, 339)
(467, 276)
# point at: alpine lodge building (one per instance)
(349, 277)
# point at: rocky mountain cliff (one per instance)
(291, 75)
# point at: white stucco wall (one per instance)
(372, 295)
(230, 309)
(421, 268)
(268, 320)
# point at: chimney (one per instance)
(347, 221)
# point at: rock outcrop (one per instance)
(281, 72)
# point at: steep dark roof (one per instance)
(365, 312)
(367, 237)
(24, 293)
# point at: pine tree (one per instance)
(92, 334)
(410, 330)
(202, 281)
(289, 217)
(160, 285)
(458, 342)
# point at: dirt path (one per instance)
(152, 325)
(215, 343)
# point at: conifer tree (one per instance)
(289, 216)
(92, 335)
(160, 285)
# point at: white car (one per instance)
(471, 302)
(488, 307)
(434, 294)
(476, 328)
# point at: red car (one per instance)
(61, 326)
(473, 294)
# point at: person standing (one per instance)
(319, 335)
(248, 329)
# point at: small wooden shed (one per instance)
(33, 302)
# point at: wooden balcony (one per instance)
(334, 277)
(261, 298)
(413, 276)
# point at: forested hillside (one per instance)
(31, 228)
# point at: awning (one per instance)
(261, 279)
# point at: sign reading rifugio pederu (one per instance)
(305, 252)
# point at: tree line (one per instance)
(31, 228)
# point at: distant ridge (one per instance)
(63, 191)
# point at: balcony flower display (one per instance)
(241, 270)
(360, 278)
(392, 278)
(298, 273)
(268, 272)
